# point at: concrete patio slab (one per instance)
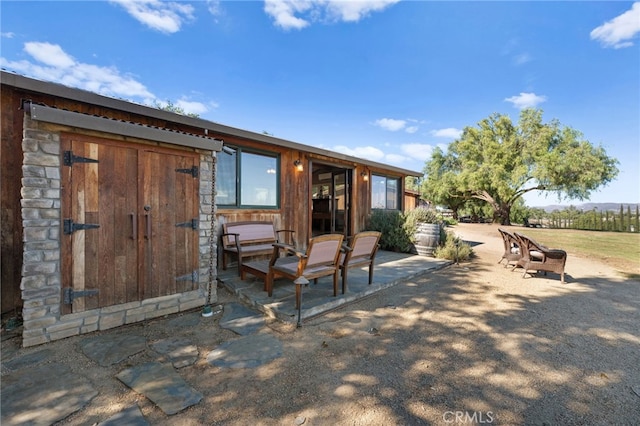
(390, 269)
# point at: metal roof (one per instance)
(120, 127)
(61, 91)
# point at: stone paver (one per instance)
(241, 320)
(246, 352)
(161, 385)
(112, 349)
(29, 360)
(43, 395)
(180, 351)
(131, 416)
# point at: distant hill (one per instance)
(591, 206)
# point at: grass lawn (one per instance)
(617, 249)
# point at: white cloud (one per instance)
(7, 35)
(283, 12)
(213, 6)
(526, 100)
(391, 124)
(411, 156)
(417, 151)
(366, 152)
(49, 54)
(510, 46)
(522, 59)
(513, 49)
(52, 63)
(166, 17)
(397, 159)
(449, 132)
(57, 66)
(298, 14)
(619, 31)
(394, 125)
(353, 11)
(192, 107)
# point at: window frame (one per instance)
(399, 192)
(239, 151)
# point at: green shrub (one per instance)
(398, 229)
(424, 215)
(449, 221)
(419, 215)
(453, 248)
(391, 223)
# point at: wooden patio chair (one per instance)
(360, 251)
(512, 251)
(538, 257)
(320, 260)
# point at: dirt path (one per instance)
(473, 342)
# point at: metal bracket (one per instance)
(25, 104)
(70, 227)
(193, 171)
(69, 159)
(193, 277)
(193, 224)
(69, 294)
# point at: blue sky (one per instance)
(384, 80)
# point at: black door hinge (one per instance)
(69, 294)
(193, 224)
(193, 171)
(193, 277)
(70, 227)
(69, 159)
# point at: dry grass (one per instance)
(616, 249)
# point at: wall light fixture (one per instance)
(298, 165)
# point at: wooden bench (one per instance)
(249, 239)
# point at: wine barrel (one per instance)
(427, 238)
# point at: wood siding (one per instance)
(295, 192)
(11, 210)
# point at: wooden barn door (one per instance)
(124, 211)
(170, 219)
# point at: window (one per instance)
(247, 179)
(385, 193)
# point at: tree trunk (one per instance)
(501, 214)
(501, 211)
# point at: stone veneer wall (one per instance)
(41, 276)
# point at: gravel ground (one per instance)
(471, 343)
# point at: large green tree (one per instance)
(171, 107)
(439, 185)
(498, 161)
